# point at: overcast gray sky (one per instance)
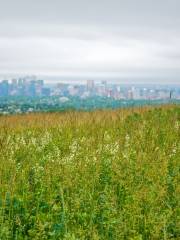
(98, 39)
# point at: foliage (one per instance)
(15, 104)
(110, 174)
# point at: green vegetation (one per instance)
(100, 175)
(18, 105)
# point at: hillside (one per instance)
(110, 174)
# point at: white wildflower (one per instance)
(176, 125)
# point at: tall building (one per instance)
(14, 82)
(104, 83)
(39, 85)
(4, 88)
(20, 81)
(31, 89)
(46, 92)
(90, 85)
(73, 90)
(130, 94)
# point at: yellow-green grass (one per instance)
(110, 174)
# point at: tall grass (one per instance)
(100, 175)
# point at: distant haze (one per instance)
(122, 40)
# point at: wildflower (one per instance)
(176, 125)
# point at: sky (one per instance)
(126, 40)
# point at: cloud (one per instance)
(107, 38)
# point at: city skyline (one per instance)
(124, 41)
(32, 86)
(31, 94)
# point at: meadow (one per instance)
(110, 174)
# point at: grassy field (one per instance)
(99, 175)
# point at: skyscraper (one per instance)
(90, 85)
(4, 88)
